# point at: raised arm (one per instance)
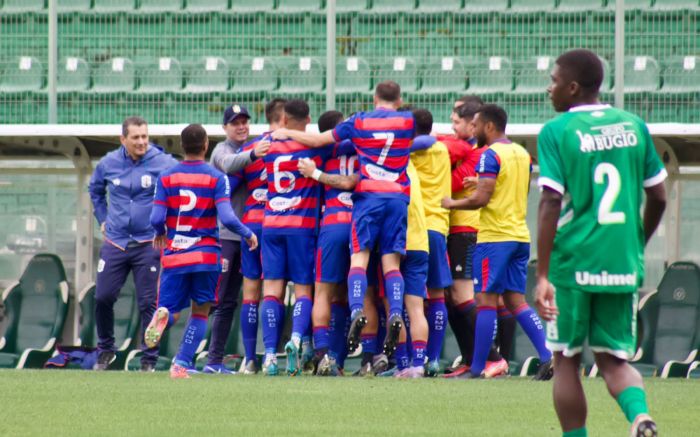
(307, 167)
(312, 140)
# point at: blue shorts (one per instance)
(414, 269)
(333, 254)
(439, 275)
(251, 262)
(379, 223)
(177, 290)
(500, 267)
(289, 257)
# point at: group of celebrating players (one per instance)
(388, 232)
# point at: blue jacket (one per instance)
(130, 185)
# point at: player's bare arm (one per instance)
(312, 140)
(654, 209)
(547, 217)
(478, 199)
(308, 168)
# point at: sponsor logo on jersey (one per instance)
(379, 174)
(345, 198)
(260, 195)
(606, 279)
(610, 136)
(283, 203)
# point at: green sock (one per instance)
(578, 432)
(633, 402)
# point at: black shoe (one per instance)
(544, 372)
(392, 335)
(104, 359)
(643, 426)
(148, 367)
(364, 370)
(358, 322)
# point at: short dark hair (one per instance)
(193, 139)
(296, 109)
(388, 91)
(329, 119)
(494, 114)
(584, 67)
(132, 121)
(468, 109)
(423, 121)
(469, 98)
(273, 110)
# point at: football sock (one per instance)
(281, 317)
(401, 356)
(336, 330)
(578, 432)
(270, 310)
(465, 319)
(301, 317)
(194, 333)
(418, 353)
(486, 325)
(357, 287)
(633, 402)
(407, 325)
(534, 328)
(506, 332)
(394, 288)
(321, 339)
(437, 313)
(249, 327)
(381, 327)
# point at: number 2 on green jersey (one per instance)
(606, 216)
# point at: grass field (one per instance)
(118, 403)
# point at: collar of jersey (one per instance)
(584, 108)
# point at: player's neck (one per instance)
(199, 157)
(385, 105)
(584, 101)
(301, 127)
(497, 137)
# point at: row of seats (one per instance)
(292, 75)
(343, 6)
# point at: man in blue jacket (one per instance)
(129, 176)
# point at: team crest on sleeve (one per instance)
(146, 181)
(116, 181)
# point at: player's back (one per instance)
(432, 164)
(417, 230)
(293, 200)
(600, 158)
(338, 203)
(254, 176)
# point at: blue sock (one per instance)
(407, 324)
(486, 326)
(171, 320)
(309, 333)
(301, 317)
(344, 344)
(534, 328)
(270, 314)
(418, 353)
(357, 287)
(394, 288)
(336, 330)
(437, 315)
(321, 338)
(369, 343)
(281, 316)
(401, 355)
(381, 329)
(249, 327)
(193, 335)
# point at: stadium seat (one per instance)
(488, 6)
(87, 334)
(24, 73)
(106, 6)
(73, 75)
(438, 6)
(299, 6)
(533, 75)
(14, 6)
(392, 6)
(36, 307)
(666, 5)
(444, 75)
(490, 75)
(531, 6)
(210, 74)
(74, 5)
(352, 75)
(579, 5)
(642, 73)
(632, 4)
(350, 6)
(670, 320)
(303, 75)
(401, 70)
(163, 75)
(114, 75)
(682, 74)
(528, 107)
(198, 6)
(694, 370)
(160, 5)
(255, 76)
(247, 6)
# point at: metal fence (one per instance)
(178, 61)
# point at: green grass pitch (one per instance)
(79, 403)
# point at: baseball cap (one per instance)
(234, 111)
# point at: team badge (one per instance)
(100, 266)
(117, 182)
(146, 181)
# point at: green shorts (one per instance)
(608, 320)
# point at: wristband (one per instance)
(316, 174)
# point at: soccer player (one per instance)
(289, 243)
(121, 190)
(229, 157)
(432, 164)
(382, 138)
(503, 241)
(188, 200)
(254, 178)
(595, 161)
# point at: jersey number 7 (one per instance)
(389, 137)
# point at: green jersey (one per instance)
(599, 158)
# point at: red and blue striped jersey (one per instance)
(254, 176)
(190, 192)
(382, 139)
(293, 201)
(338, 203)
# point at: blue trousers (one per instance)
(112, 270)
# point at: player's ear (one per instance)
(398, 103)
(122, 139)
(574, 88)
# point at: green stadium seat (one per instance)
(531, 6)
(160, 5)
(444, 75)
(642, 73)
(392, 6)
(299, 6)
(490, 75)
(73, 75)
(350, 6)
(438, 6)
(14, 6)
(670, 322)
(401, 70)
(210, 74)
(352, 75)
(198, 6)
(113, 76)
(74, 5)
(485, 6)
(632, 4)
(528, 107)
(36, 307)
(533, 75)
(87, 334)
(671, 5)
(694, 370)
(255, 76)
(22, 74)
(246, 6)
(304, 75)
(163, 75)
(106, 6)
(579, 5)
(682, 74)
